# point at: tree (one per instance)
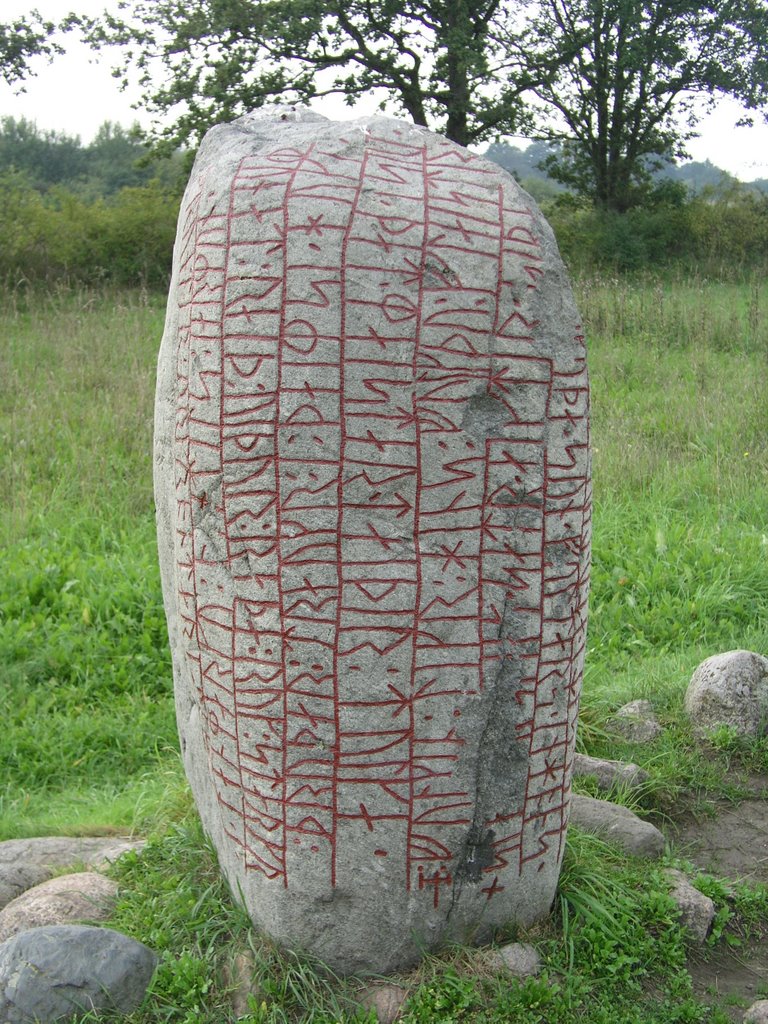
(22, 39)
(444, 63)
(45, 157)
(631, 94)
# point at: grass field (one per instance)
(680, 571)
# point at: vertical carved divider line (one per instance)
(281, 347)
(343, 271)
(224, 516)
(416, 520)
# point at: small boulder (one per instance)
(17, 878)
(239, 979)
(618, 825)
(636, 722)
(50, 974)
(519, 959)
(608, 774)
(697, 911)
(28, 862)
(730, 690)
(757, 1013)
(386, 1000)
(86, 896)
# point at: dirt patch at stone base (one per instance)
(732, 979)
(731, 843)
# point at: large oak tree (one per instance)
(617, 84)
(641, 74)
(443, 63)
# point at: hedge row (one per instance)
(127, 239)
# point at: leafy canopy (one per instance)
(446, 63)
(620, 85)
(22, 39)
(641, 75)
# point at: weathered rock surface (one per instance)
(730, 690)
(637, 722)
(17, 878)
(697, 911)
(608, 774)
(49, 974)
(757, 1013)
(28, 862)
(372, 483)
(519, 959)
(386, 1000)
(239, 979)
(618, 825)
(68, 899)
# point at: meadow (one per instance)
(680, 572)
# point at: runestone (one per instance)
(373, 498)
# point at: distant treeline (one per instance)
(106, 213)
(115, 159)
(102, 212)
(529, 166)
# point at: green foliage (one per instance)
(446, 64)
(115, 159)
(723, 231)
(617, 921)
(20, 41)
(447, 998)
(624, 101)
(81, 620)
(43, 158)
(59, 236)
(86, 689)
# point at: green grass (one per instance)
(86, 694)
(680, 572)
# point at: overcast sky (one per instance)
(76, 93)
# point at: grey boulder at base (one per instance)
(59, 971)
(373, 494)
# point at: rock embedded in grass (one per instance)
(609, 774)
(386, 999)
(730, 690)
(373, 494)
(618, 825)
(697, 911)
(67, 899)
(519, 959)
(53, 973)
(636, 722)
(28, 862)
(757, 1013)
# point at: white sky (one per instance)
(76, 94)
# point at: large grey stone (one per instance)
(618, 825)
(372, 484)
(68, 899)
(49, 974)
(28, 862)
(730, 690)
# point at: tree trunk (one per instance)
(458, 31)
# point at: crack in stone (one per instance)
(477, 852)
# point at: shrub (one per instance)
(60, 236)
